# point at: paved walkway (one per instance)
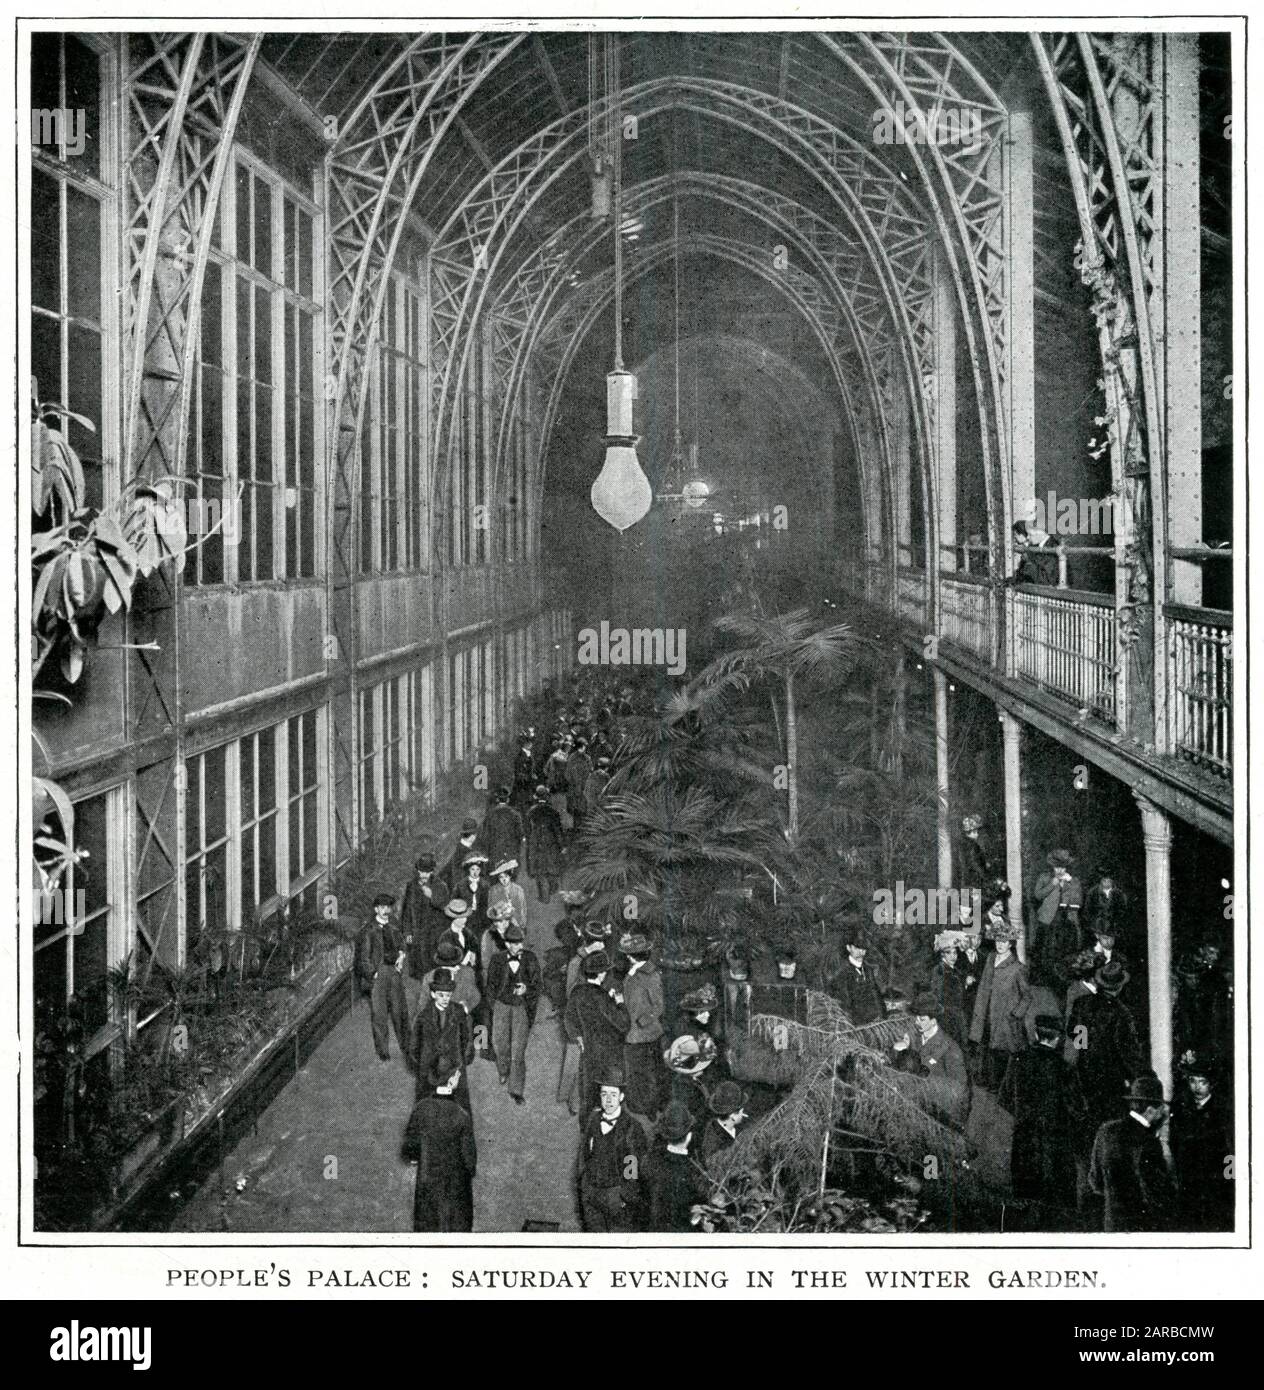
(325, 1155)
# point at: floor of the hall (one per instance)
(325, 1155)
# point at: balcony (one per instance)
(910, 590)
(1200, 687)
(1064, 641)
(965, 613)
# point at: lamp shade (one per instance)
(621, 494)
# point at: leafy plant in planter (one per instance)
(86, 560)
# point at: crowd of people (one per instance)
(1041, 1018)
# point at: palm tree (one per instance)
(792, 648)
(678, 853)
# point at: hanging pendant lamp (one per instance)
(621, 494)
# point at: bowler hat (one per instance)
(727, 1098)
(513, 932)
(505, 866)
(675, 1124)
(926, 1005)
(703, 1000)
(425, 864)
(1146, 1088)
(447, 952)
(469, 826)
(1112, 977)
(596, 964)
(502, 793)
(1060, 859)
(457, 907)
(612, 1076)
(855, 935)
(441, 982)
(786, 952)
(541, 792)
(634, 943)
(383, 900)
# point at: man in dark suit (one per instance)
(422, 919)
(1127, 1169)
(1105, 1046)
(502, 830)
(676, 1182)
(612, 1152)
(469, 841)
(1039, 1090)
(442, 1029)
(513, 986)
(545, 842)
(932, 1054)
(855, 986)
(380, 961)
(526, 770)
(727, 1105)
(440, 1140)
(597, 1020)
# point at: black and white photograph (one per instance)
(631, 632)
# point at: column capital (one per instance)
(1156, 824)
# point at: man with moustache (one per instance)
(513, 984)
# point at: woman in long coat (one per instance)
(544, 844)
(999, 1025)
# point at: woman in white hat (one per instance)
(506, 889)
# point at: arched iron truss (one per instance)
(862, 346)
(878, 205)
(567, 330)
(182, 97)
(372, 174)
(1106, 92)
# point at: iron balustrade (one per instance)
(1200, 687)
(965, 614)
(911, 594)
(1064, 640)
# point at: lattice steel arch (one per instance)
(372, 174)
(1115, 175)
(182, 96)
(867, 193)
(572, 325)
(782, 215)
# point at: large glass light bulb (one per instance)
(621, 494)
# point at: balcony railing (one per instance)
(965, 612)
(1065, 642)
(1200, 687)
(911, 594)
